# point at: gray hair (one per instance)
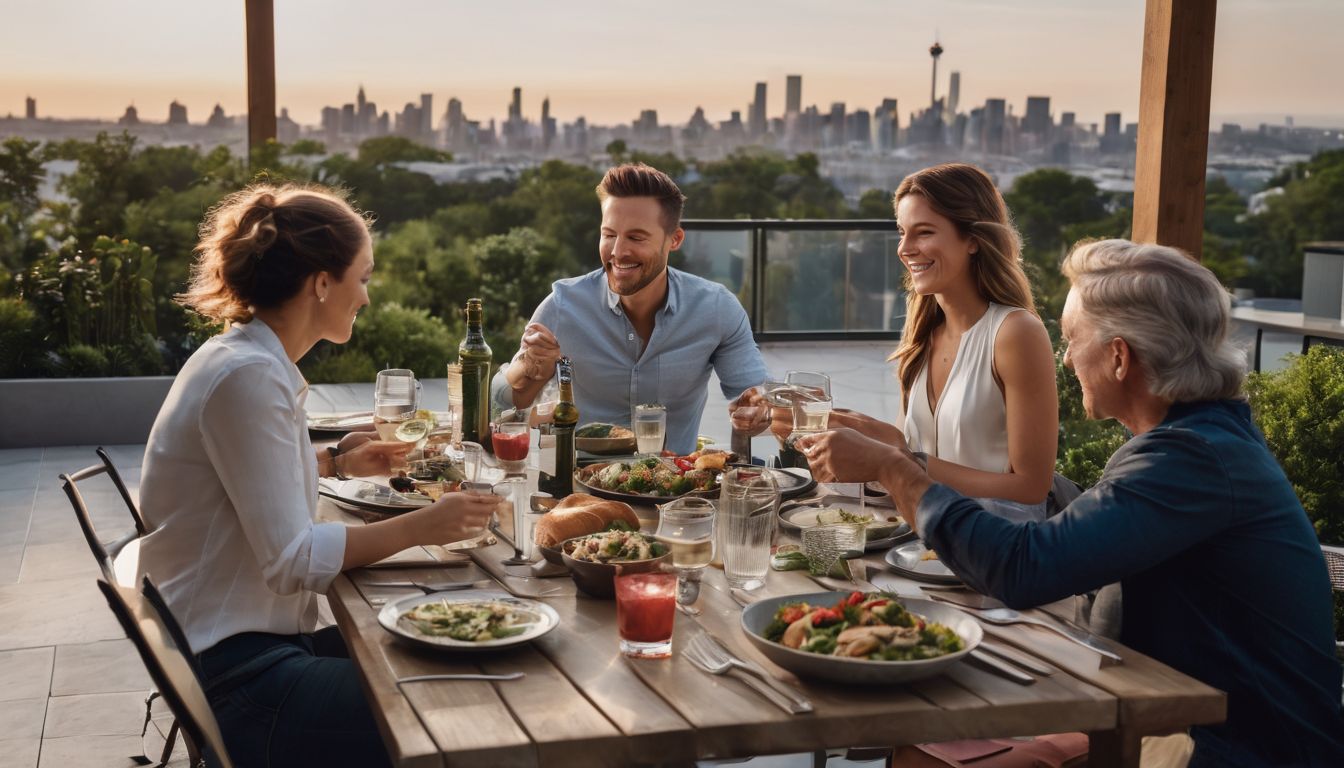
(1169, 308)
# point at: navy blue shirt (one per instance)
(701, 327)
(1222, 576)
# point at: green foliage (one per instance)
(1301, 411)
(21, 174)
(20, 340)
(306, 147)
(1310, 209)
(1085, 445)
(761, 184)
(875, 204)
(389, 336)
(100, 297)
(398, 149)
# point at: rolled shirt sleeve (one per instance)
(248, 431)
(737, 361)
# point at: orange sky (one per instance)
(606, 60)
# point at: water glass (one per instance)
(511, 439)
(824, 545)
(809, 380)
(645, 613)
(514, 502)
(471, 462)
(686, 526)
(748, 509)
(394, 400)
(650, 428)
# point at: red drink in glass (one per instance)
(645, 607)
(510, 441)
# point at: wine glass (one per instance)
(686, 526)
(394, 400)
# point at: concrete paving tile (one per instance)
(110, 666)
(50, 613)
(62, 560)
(22, 718)
(19, 753)
(90, 751)
(95, 714)
(25, 673)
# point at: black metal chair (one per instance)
(161, 644)
(104, 553)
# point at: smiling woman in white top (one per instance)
(229, 483)
(976, 368)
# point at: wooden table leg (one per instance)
(1114, 749)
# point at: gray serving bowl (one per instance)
(598, 579)
(757, 616)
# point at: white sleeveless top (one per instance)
(970, 425)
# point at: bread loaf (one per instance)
(580, 514)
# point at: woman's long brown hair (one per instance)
(967, 197)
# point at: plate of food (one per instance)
(580, 514)
(654, 480)
(604, 439)
(473, 620)
(365, 495)
(918, 562)
(340, 423)
(860, 638)
(882, 526)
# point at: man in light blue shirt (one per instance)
(636, 330)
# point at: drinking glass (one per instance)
(824, 545)
(650, 428)
(511, 439)
(455, 398)
(748, 508)
(809, 380)
(645, 612)
(514, 500)
(471, 462)
(686, 526)
(394, 400)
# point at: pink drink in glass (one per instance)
(645, 608)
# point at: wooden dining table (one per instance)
(582, 703)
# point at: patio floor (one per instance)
(72, 688)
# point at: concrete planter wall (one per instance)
(43, 412)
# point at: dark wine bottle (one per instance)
(474, 356)
(564, 419)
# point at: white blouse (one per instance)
(229, 490)
(969, 425)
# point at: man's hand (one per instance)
(540, 352)
(844, 455)
(867, 426)
(353, 440)
(749, 413)
(373, 457)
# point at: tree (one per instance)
(398, 149)
(875, 204)
(1311, 208)
(1052, 210)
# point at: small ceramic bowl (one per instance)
(598, 579)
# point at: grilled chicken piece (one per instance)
(797, 631)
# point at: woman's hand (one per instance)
(881, 431)
(355, 439)
(373, 457)
(454, 517)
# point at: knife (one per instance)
(1001, 668)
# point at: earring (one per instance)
(322, 299)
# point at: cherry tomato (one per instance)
(792, 614)
(854, 598)
(684, 464)
(826, 616)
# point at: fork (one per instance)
(1010, 616)
(705, 652)
(434, 588)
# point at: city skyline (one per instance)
(1267, 61)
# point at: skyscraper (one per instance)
(995, 125)
(793, 97)
(756, 123)
(953, 95)
(935, 51)
(30, 108)
(177, 113)
(1037, 121)
(888, 125)
(426, 116)
(547, 125)
(1111, 140)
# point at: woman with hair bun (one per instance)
(229, 482)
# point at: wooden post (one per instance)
(260, 73)
(1174, 123)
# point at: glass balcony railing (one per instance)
(804, 278)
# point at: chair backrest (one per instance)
(1334, 563)
(103, 553)
(154, 634)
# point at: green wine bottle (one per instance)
(564, 419)
(473, 354)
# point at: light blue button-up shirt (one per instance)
(700, 327)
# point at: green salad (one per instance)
(470, 622)
(865, 626)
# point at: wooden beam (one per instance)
(1174, 123)
(260, 73)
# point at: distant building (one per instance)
(1067, 120)
(177, 114)
(547, 125)
(756, 123)
(426, 117)
(30, 108)
(953, 95)
(888, 124)
(834, 135)
(1111, 139)
(218, 119)
(859, 125)
(1037, 122)
(995, 127)
(286, 130)
(793, 95)
(130, 117)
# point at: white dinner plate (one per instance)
(908, 560)
(540, 619)
(363, 494)
(340, 423)
(886, 530)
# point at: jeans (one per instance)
(292, 701)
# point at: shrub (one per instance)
(390, 336)
(1085, 445)
(20, 338)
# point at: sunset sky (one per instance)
(607, 60)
